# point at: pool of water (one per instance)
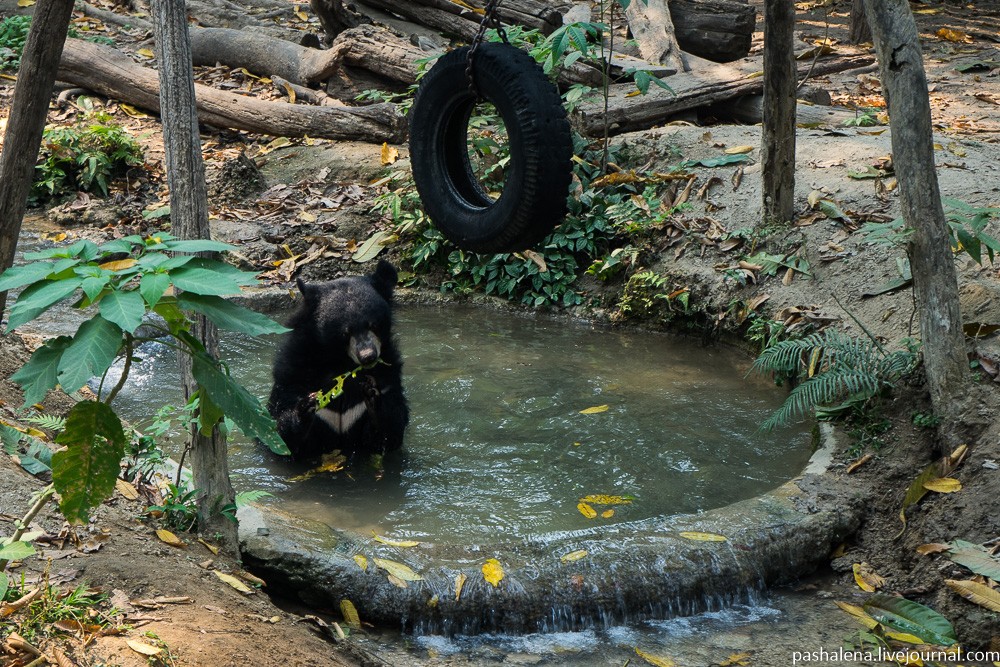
(497, 443)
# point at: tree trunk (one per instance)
(32, 93)
(859, 31)
(934, 280)
(113, 74)
(653, 29)
(778, 135)
(189, 220)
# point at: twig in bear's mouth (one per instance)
(323, 398)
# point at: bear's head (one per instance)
(351, 316)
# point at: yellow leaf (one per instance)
(211, 547)
(859, 614)
(607, 514)
(953, 35)
(132, 111)
(397, 569)
(146, 53)
(138, 646)
(973, 591)
(702, 537)
(350, 614)
(943, 485)
(634, 93)
(866, 578)
(307, 216)
(55, 237)
(394, 543)
(586, 510)
(493, 572)
(573, 556)
(396, 581)
(361, 561)
(169, 538)
(302, 15)
(738, 150)
(234, 582)
(655, 660)
(602, 499)
(433, 602)
(127, 490)
(25, 3)
(459, 583)
(389, 153)
(740, 659)
(595, 410)
(119, 264)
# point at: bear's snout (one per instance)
(365, 349)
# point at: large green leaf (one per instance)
(124, 308)
(93, 286)
(152, 286)
(38, 459)
(201, 280)
(94, 347)
(41, 373)
(4, 585)
(237, 403)
(912, 618)
(16, 551)
(38, 298)
(82, 249)
(84, 473)
(24, 274)
(230, 316)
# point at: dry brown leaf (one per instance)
(860, 462)
(234, 582)
(459, 583)
(127, 490)
(866, 578)
(397, 570)
(943, 485)
(655, 660)
(389, 154)
(143, 648)
(167, 537)
(396, 581)
(973, 591)
(932, 548)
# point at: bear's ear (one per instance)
(384, 279)
(308, 291)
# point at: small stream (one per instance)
(497, 444)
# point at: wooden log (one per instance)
(111, 73)
(718, 30)
(653, 29)
(750, 109)
(690, 90)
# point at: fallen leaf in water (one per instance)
(234, 582)
(595, 410)
(350, 614)
(586, 510)
(493, 572)
(459, 583)
(573, 556)
(702, 537)
(607, 514)
(397, 569)
(396, 581)
(859, 614)
(740, 659)
(394, 543)
(602, 499)
(656, 660)
(866, 578)
(361, 561)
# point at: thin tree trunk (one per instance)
(42, 51)
(859, 32)
(934, 279)
(189, 219)
(653, 29)
(778, 135)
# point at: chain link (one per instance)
(491, 19)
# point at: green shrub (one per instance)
(13, 33)
(86, 156)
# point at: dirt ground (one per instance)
(322, 189)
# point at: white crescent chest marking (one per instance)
(342, 421)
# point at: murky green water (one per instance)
(497, 443)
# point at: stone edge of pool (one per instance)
(632, 572)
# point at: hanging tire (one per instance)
(537, 178)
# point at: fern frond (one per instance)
(47, 421)
(244, 498)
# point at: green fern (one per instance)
(834, 368)
(48, 422)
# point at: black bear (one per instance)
(341, 325)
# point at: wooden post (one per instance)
(32, 93)
(859, 32)
(189, 220)
(935, 283)
(778, 135)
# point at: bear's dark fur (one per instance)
(340, 325)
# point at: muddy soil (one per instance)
(319, 194)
